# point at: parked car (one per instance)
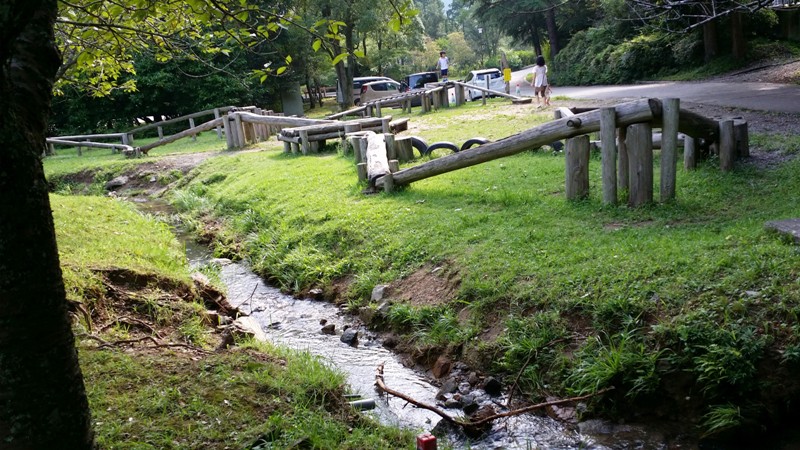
(378, 89)
(419, 80)
(478, 78)
(357, 83)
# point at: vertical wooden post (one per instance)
(460, 97)
(577, 167)
(623, 176)
(160, 133)
(640, 161)
(226, 122)
(394, 165)
(608, 137)
(125, 139)
(362, 171)
(219, 128)
(295, 148)
(304, 144)
(446, 96)
(742, 138)
(191, 125)
(690, 153)
(404, 148)
(437, 99)
(669, 147)
(355, 141)
(287, 147)
(391, 152)
(727, 145)
(349, 128)
(388, 183)
(385, 124)
(238, 131)
(426, 103)
(378, 110)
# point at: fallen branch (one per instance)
(129, 321)
(156, 343)
(380, 383)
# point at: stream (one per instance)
(296, 323)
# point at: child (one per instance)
(539, 81)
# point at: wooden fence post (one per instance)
(304, 144)
(160, 132)
(460, 97)
(388, 183)
(191, 125)
(385, 124)
(238, 131)
(577, 167)
(608, 137)
(349, 128)
(690, 153)
(404, 149)
(742, 138)
(394, 165)
(378, 110)
(640, 161)
(226, 122)
(391, 152)
(623, 177)
(727, 145)
(669, 147)
(362, 171)
(219, 128)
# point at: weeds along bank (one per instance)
(689, 309)
(131, 279)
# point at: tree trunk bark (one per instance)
(710, 42)
(43, 403)
(552, 31)
(737, 36)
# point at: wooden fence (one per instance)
(626, 143)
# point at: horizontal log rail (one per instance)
(89, 144)
(183, 118)
(186, 133)
(490, 91)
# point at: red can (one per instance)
(426, 441)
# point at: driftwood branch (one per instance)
(380, 383)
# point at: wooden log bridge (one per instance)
(626, 137)
(645, 110)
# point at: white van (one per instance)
(479, 77)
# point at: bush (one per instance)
(596, 56)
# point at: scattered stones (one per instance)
(329, 329)
(315, 293)
(442, 366)
(448, 387)
(117, 183)
(452, 403)
(561, 412)
(323, 321)
(247, 326)
(378, 292)
(221, 261)
(473, 379)
(390, 341)
(350, 337)
(366, 314)
(493, 387)
(789, 227)
(470, 405)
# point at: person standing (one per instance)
(539, 81)
(443, 65)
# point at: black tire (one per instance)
(440, 145)
(473, 142)
(420, 144)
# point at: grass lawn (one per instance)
(691, 299)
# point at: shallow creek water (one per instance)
(295, 323)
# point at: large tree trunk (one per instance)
(737, 36)
(42, 399)
(710, 41)
(552, 31)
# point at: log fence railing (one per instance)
(626, 145)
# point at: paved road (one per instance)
(747, 95)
